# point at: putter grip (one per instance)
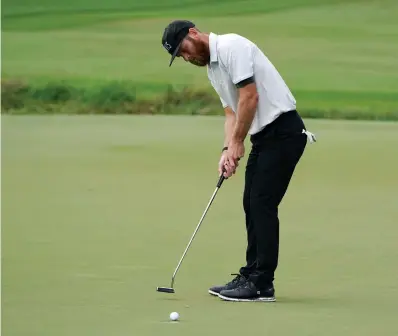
(220, 181)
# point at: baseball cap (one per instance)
(173, 35)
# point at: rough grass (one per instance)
(121, 98)
(96, 212)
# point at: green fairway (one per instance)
(96, 212)
(335, 55)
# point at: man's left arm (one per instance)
(240, 64)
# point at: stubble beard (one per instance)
(204, 57)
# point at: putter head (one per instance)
(165, 289)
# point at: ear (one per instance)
(193, 33)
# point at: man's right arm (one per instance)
(229, 125)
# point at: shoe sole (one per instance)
(259, 299)
(213, 293)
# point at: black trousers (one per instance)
(275, 152)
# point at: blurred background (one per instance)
(338, 57)
(109, 158)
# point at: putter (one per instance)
(171, 288)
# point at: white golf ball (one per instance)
(174, 316)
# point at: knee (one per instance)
(263, 203)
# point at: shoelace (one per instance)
(236, 279)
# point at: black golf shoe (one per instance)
(234, 283)
(247, 292)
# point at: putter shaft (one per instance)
(171, 288)
(196, 230)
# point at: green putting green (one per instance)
(96, 212)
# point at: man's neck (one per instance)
(205, 39)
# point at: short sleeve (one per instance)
(224, 104)
(239, 60)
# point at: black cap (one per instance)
(173, 35)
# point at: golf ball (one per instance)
(174, 316)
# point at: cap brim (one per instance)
(175, 53)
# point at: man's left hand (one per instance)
(236, 150)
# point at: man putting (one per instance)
(257, 102)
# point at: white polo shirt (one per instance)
(234, 58)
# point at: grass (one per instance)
(25, 8)
(332, 54)
(96, 212)
(121, 98)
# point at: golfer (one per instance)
(258, 103)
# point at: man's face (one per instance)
(193, 50)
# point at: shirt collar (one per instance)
(213, 47)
